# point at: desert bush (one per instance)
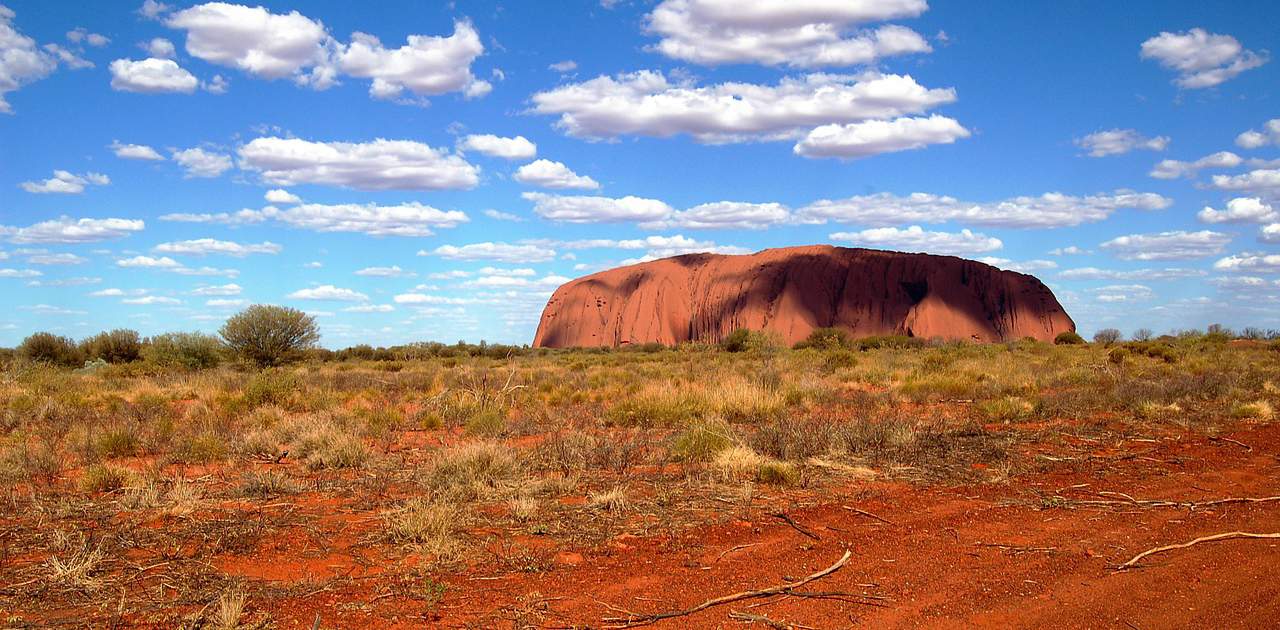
(744, 340)
(777, 473)
(270, 387)
(889, 341)
(1107, 336)
(794, 438)
(1257, 410)
(192, 350)
(270, 335)
(825, 339)
(836, 360)
(1118, 355)
(486, 422)
(1068, 338)
(22, 461)
(702, 440)
(657, 406)
(611, 500)
(49, 348)
(1142, 334)
(105, 478)
(117, 346)
(428, 524)
(471, 470)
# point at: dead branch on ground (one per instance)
(1225, 536)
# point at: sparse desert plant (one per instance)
(1068, 338)
(826, 339)
(183, 350)
(702, 440)
(105, 478)
(78, 569)
(737, 463)
(1257, 410)
(116, 346)
(431, 525)
(471, 470)
(777, 473)
(270, 335)
(229, 610)
(43, 347)
(611, 500)
(523, 508)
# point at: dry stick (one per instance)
(751, 618)
(867, 514)
(1128, 500)
(790, 521)
(1236, 442)
(1226, 536)
(733, 549)
(633, 620)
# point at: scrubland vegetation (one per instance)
(146, 480)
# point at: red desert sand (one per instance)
(791, 291)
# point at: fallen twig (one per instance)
(867, 514)
(1128, 501)
(752, 618)
(733, 549)
(1229, 440)
(633, 619)
(798, 527)
(1226, 536)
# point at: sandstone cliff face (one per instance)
(791, 291)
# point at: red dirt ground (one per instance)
(938, 564)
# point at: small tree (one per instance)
(269, 335)
(1106, 336)
(117, 346)
(46, 347)
(1068, 338)
(1143, 334)
(826, 339)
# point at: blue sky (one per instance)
(431, 171)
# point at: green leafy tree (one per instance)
(270, 335)
(46, 347)
(117, 346)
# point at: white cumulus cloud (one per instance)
(135, 152)
(151, 75)
(1120, 141)
(1049, 210)
(67, 230)
(200, 163)
(548, 174)
(917, 239)
(376, 165)
(1173, 169)
(501, 252)
(66, 182)
(1172, 245)
(330, 293)
(517, 148)
(873, 137)
(206, 246)
(1201, 59)
(1240, 210)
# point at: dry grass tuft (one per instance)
(611, 500)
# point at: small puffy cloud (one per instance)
(164, 263)
(502, 252)
(377, 165)
(67, 230)
(66, 183)
(425, 65)
(1095, 273)
(393, 271)
(1173, 169)
(648, 103)
(548, 174)
(67, 57)
(216, 85)
(1123, 293)
(1270, 233)
(370, 308)
(1172, 245)
(587, 209)
(776, 32)
(20, 273)
(728, 215)
(1253, 139)
(1049, 210)
(159, 48)
(917, 239)
(568, 65)
(517, 148)
(422, 298)
(64, 258)
(1240, 210)
(200, 163)
(135, 152)
(1253, 262)
(1070, 250)
(1258, 180)
(329, 293)
(81, 35)
(222, 290)
(281, 196)
(21, 61)
(153, 9)
(873, 137)
(151, 300)
(226, 303)
(206, 246)
(1201, 59)
(1022, 266)
(151, 76)
(1120, 141)
(408, 219)
(502, 216)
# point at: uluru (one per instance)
(790, 291)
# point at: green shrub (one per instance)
(890, 341)
(117, 346)
(1068, 338)
(487, 422)
(105, 478)
(701, 441)
(192, 351)
(43, 347)
(270, 335)
(1118, 355)
(825, 339)
(270, 387)
(777, 473)
(736, 341)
